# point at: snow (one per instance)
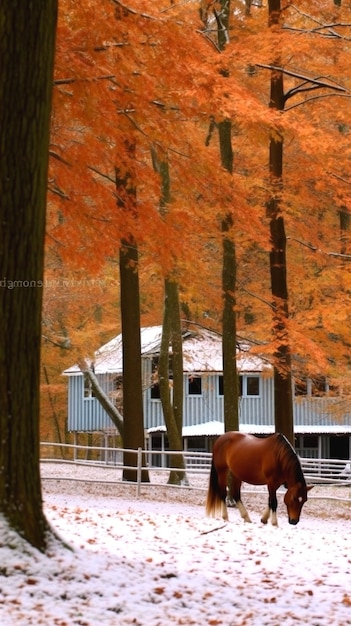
(159, 560)
(202, 352)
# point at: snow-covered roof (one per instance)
(215, 428)
(202, 352)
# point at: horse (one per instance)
(270, 461)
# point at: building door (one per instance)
(339, 447)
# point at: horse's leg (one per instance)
(229, 499)
(222, 488)
(271, 508)
(235, 489)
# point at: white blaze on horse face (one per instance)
(294, 502)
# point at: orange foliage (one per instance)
(151, 73)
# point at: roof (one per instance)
(215, 428)
(202, 352)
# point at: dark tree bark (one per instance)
(171, 337)
(172, 411)
(345, 222)
(27, 43)
(131, 342)
(230, 373)
(283, 397)
(131, 345)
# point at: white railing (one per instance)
(316, 471)
(327, 471)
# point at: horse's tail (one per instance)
(214, 502)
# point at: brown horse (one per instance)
(270, 461)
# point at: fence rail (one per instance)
(316, 471)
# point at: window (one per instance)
(194, 386)
(310, 441)
(252, 385)
(319, 386)
(248, 385)
(155, 392)
(155, 388)
(301, 387)
(88, 390)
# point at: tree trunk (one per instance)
(54, 414)
(283, 396)
(131, 342)
(172, 412)
(230, 373)
(27, 43)
(131, 347)
(171, 336)
(345, 222)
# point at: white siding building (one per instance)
(321, 431)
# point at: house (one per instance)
(322, 430)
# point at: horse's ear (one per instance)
(309, 487)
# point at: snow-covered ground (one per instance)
(158, 560)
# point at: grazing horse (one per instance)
(270, 461)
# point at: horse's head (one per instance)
(294, 499)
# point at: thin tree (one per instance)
(172, 407)
(27, 44)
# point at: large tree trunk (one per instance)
(133, 437)
(283, 396)
(27, 43)
(131, 345)
(230, 373)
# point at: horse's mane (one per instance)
(288, 456)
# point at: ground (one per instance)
(156, 559)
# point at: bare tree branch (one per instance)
(319, 97)
(319, 82)
(112, 411)
(310, 246)
(133, 11)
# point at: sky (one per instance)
(148, 562)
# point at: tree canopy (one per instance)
(154, 74)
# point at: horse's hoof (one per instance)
(264, 521)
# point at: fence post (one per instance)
(139, 464)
